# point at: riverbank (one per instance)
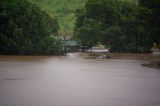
(153, 62)
(141, 56)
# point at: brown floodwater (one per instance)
(75, 81)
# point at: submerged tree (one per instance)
(25, 29)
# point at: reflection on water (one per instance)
(74, 81)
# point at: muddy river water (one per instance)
(74, 81)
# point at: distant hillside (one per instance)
(64, 10)
(134, 1)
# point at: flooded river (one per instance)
(74, 81)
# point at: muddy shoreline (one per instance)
(153, 62)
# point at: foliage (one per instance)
(25, 29)
(65, 11)
(117, 24)
(153, 19)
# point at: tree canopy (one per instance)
(26, 29)
(153, 19)
(120, 25)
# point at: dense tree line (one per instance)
(122, 26)
(153, 19)
(25, 29)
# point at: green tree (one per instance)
(153, 19)
(25, 29)
(114, 23)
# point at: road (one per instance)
(74, 81)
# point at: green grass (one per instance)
(64, 10)
(133, 1)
